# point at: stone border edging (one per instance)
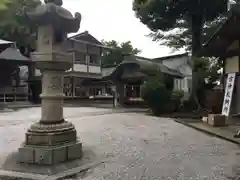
(14, 175)
(208, 132)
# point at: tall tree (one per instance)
(115, 56)
(165, 15)
(189, 17)
(15, 26)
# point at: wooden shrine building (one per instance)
(12, 88)
(225, 44)
(87, 78)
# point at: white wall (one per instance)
(86, 69)
(95, 69)
(183, 84)
(80, 68)
(181, 64)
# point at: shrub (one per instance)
(177, 95)
(175, 100)
(155, 95)
(188, 105)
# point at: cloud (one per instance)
(115, 20)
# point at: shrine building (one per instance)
(225, 45)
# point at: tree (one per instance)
(207, 76)
(186, 19)
(155, 93)
(14, 25)
(182, 37)
(190, 17)
(115, 56)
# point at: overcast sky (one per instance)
(115, 20)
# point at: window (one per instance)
(93, 60)
(183, 84)
(189, 85)
(80, 58)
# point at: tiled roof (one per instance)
(5, 42)
(141, 62)
(12, 54)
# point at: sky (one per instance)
(115, 20)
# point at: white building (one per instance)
(182, 63)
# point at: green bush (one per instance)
(156, 95)
(175, 100)
(177, 95)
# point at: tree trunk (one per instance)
(197, 23)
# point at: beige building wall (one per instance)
(232, 63)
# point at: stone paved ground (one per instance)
(137, 146)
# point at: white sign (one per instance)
(228, 94)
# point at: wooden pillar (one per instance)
(73, 86)
(120, 92)
(31, 75)
(236, 99)
(115, 96)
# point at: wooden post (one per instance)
(73, 86)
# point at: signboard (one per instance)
(228, 94)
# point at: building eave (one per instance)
(227, 31)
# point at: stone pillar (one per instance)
(52, 97)
(52, 134)
(53, 139)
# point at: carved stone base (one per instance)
(51, 134)
(49, 155)
(48, 144)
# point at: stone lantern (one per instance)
(53, 139)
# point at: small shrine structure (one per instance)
(12, 87)
(225, 44)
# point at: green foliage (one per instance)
(116, 55)
(182, 24)
(184, 20)
(177, 95)
(207, 75)
(174, 101)
(4, 4)
(182, 38)
(155, 94)
(15, 26)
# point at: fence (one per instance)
(11, 94)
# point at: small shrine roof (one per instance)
(12, 54)
(5, 42)
(140, 62)
(171, 57)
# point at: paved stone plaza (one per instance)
(134, 146)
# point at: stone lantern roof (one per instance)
(52, 13)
